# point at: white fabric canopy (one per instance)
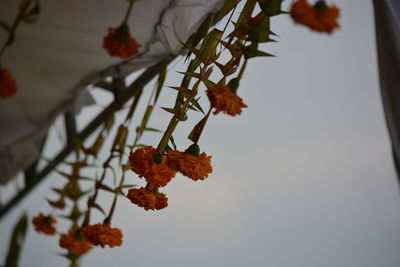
(387, 23)
(56, 58)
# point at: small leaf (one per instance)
(148, 129)
(208, 83)
(172, 142)
(5, 26)
(198, 129)
(181, 89)
(226, 8)
(104, 187)
(160, 82)
(17, 241)
(196, 104)
(98, 207)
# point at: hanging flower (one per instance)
(223, 99)
(44, 224)
(190, 163)
(319, 17)
(119, 42)
(75, 242)
(143, 162)
(8, 86)
(102, 235)
(148, 199)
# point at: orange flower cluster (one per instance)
(44, 224)
(223, 99)
(8, 86)
(319, 17)
(196, 167)
(148, 199)
(102, 235)
(119, 42)
(155, 173)
(75, 242)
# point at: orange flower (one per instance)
(319, 17)
(196, 167)
(8, 86)
(148, 199)
(74, 242)
(119, 42)
(102, 235)
(44, 224)
(155, 173)
(223, 99)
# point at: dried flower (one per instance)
(148, 199)
(193, 165)
(8, 86)
(75, 242)
(223, 99)
(44, 224)
(319, 17)
(119, 42)
(102, 235)
(155, 173)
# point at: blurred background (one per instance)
(304, 177)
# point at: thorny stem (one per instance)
(11, 33)
(242, 69)
(92, 199)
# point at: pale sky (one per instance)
(303, 178)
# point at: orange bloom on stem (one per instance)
(102, 235)
(143, 162)
(223, 99)
(119, 42)
(191, 164)
(8, 86)
(148, 199)
(75, 242)
(44, 224)
(319, 17)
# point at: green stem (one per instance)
(14, 27)
(128, 12)
(242, 69)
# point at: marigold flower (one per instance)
(147, 199)
(196, 168)
(74, 242)
(8, 86)
(319, 17)
(119, 42)
(102, 235)
(143, 164)
(223, 99)
(44, 224)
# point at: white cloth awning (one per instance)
(56, 58)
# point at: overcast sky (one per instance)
(304, 177)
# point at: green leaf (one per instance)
(16, 242)
(104, 187)
(147, 129)
(251, 51)
(270, 7)
(145, 119)
(196, 104)
(172, 142)
(98, 207)
(33, 14)
(5, 26)
(201, 32)
(198, 129)
(160, 82)
(228, 6)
